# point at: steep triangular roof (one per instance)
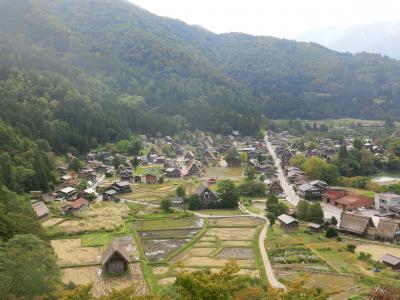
(355, 223)
(111, 250)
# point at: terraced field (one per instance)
(221, 243)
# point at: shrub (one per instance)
(351, 247)
(364, 256)
(331, 232)
(166, 205)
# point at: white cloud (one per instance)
(281, 18)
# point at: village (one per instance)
(117, 219)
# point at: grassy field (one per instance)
(365, 193)
(224, 173)
(96, 239)
(150, 169)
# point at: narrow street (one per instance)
(291, 196)
(267, 264)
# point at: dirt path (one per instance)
(267, 264)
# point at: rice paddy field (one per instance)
(218, 243)
(103, 285)
(70, 253)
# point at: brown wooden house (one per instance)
(355, 224)
(274, 187)
(288, 223)
(151, 179)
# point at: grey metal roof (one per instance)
(286, 219)
(391, 259)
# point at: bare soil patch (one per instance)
(70, 253)
(377, 251)
(235, 253)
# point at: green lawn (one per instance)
(96, 239)
(365, 193)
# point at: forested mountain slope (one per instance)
(82, 72)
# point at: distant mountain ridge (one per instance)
(382, 38)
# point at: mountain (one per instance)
(78, 73)
(382, 38)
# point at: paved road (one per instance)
(292, 197)
(267, 264)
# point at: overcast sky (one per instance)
(280, 18)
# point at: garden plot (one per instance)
(236, 234)
(235, 253)
(70, 253)
(159, 249)
(106, 216)
(177, 233)
(51, 222)
(106, 285)
(235, 222)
